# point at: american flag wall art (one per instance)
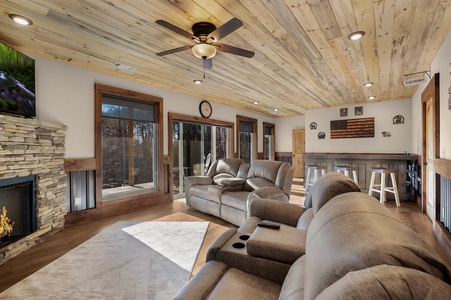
(352, 128)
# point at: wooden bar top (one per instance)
(359, 156)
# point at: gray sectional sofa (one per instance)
(231, 185)
(352, 248)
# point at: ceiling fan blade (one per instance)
(226, 29)
(174, 28)
(175, 50)
(235, 50)
(208, 63)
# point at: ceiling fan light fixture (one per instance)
(20, 19)
(357, 35)
(204, 51)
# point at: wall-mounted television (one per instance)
(17, 83)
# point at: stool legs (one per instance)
(383, 188)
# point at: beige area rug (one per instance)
(129, 260)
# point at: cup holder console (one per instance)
(238, 245)
(244, 237)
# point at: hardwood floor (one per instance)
(62, 242)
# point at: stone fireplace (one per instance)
(31, 149)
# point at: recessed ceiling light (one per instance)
(371, 97)
(276, 109)
(356, 35)
(197, 81)
(256, 102)
(368, 84)
(20, 19)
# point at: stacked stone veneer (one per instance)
(32, 147)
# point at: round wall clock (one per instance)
(205, 109)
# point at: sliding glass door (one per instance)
(194, 148)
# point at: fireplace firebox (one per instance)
(18, 196)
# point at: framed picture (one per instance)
(358, 110)
(343, 112)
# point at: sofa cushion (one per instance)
(229, 166)
(353, 231)
(267, 169)
(236, 199)
(210, 192)
(387, 282)
(230, 181)
(236, 284)
(329, 186)
(257, 182)
(285, 244)
(293, 286)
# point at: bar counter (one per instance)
(363, 161)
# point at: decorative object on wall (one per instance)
(313, 125)
(398, 119)
(358, 110)
(321, 135)
(352, 128)
(386, 134)
(343, 112)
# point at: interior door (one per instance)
(430, 156)
(431, 145)
(298, 142)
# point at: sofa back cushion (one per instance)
(262, 173)
(328, 186)
(353, 231)
(224, 168)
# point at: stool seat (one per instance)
(346, 170)
(312, 177)
(383, 188)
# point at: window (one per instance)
(247, 138)
(127, 143)
(268, 141)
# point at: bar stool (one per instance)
(383, 188)
(309, 180)
(346, 170)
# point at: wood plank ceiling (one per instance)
(303, 58)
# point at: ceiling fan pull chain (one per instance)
(203, 60)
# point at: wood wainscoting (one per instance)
(442, 222)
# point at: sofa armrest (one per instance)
(217, 245)
(201, 285)
(195, 180)
(276, 211)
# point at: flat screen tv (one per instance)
(17, 83)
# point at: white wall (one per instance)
(383, 113)
(441, 64)
(65, 95)
(284, 127)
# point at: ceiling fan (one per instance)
(206, 35)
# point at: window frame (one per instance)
(254, 152)
(101, 89)
(272, 154)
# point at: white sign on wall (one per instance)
(414, 81)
